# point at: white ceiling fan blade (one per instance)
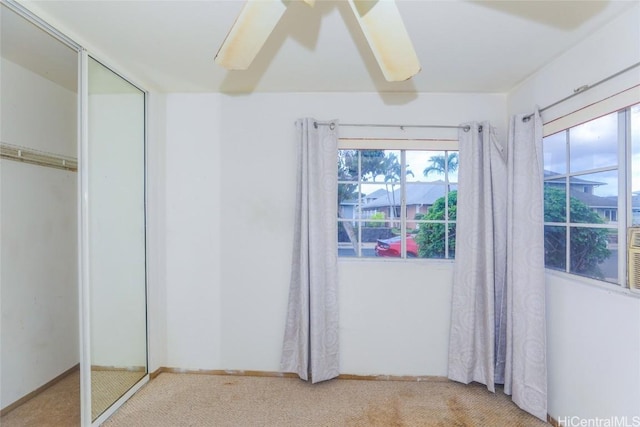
(253, 26)
(388, 39)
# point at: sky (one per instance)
(594, 145)
(417, 161)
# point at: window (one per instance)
(391, 203)
(591, 188)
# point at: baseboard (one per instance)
(162, 369)
(274, 374)
(409, 378)
(39, 390)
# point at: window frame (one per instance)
(620, 103)
(402, 145)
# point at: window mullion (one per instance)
(568, 202)
(446, 204)
(360, 223)
(624, 190)
(403, 205)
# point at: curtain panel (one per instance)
(480, 267)
(498, 330)
(525, 373)
(310, 346)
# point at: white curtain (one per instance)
(498, 330)
(480, 266)
(310, 346)
(525, 373)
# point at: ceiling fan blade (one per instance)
(253, 26)
(310, 2)
(388, 39)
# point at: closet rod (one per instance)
(582, 89)
(466, 128)
(36, 157)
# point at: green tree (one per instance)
(439, 162)
(367, 166)
(431, 236)
(347, 171)
(377, 220)
(588, 245)
(372, 165)
(355, 165)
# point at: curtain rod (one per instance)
(466, 128)
(36, 157)
(582, 89)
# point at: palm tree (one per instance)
(438, 164)
(392, 172)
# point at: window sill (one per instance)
(604, 286)
(422, 261)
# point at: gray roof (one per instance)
(551, 177)
(378, 193)
(594, 201)
(417, 193)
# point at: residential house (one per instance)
(584, 190)
(419, 197)
(350, 208)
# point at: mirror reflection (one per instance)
(116, 177)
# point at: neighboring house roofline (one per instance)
(417, 193)
(554, 177)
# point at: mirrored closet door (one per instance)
(115, 221)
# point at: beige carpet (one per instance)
(57, 406)
(109, 385)
(212, 400)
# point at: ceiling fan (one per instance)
(379, 20)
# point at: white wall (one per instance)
(593, 350)
(193, 206)
(37, 112)
(38, 279)
(614, 48)
(394, 317)
(593, 332)
(230, 185)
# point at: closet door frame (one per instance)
(84, 237)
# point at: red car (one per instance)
(392, 247)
